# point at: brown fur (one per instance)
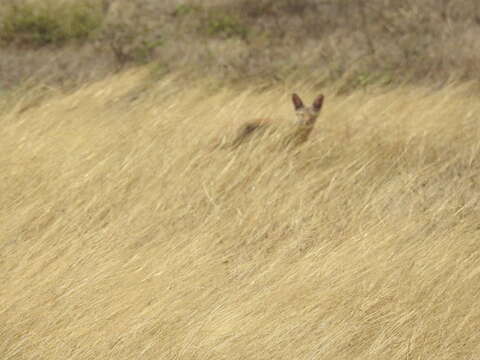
(300, 129)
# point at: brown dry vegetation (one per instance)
(375, 41)
(124, 236)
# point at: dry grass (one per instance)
(123, 236)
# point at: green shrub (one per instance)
(143, 52)
(132, 42)
(185, 9)
(263, 8)
(224, 25)
(82, 20)
(43, 24)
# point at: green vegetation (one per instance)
(132, 43)
(48, 23)
(185, 9)
(224, 25)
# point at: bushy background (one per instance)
(72, 41)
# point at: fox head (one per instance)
(306, 116)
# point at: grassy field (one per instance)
(125, 235)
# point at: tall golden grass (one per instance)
(125, 236)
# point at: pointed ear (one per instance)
(317, 104)
(297, 102)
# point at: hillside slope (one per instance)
(125, 235)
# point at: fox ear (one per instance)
(297, 102)
(317, 104)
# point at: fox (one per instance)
(298, 132)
